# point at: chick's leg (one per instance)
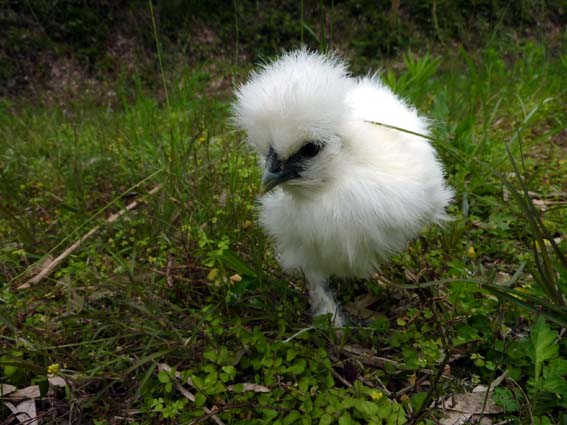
(321, 298)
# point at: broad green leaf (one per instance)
(307, 405)
(367, 408)
(230, 371)
(290, 355)
(555, 378)
(541, 346)
(211, 379)
(557, 367)
(163, 377)
(346, 419)
(298, 367)
(417, 400)
(505, 398)
(326, 419)
(211, 355)
(411, 359)
(269, 415)
(293, 417)
(200, 399)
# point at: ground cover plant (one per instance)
(177, 312)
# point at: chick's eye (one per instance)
(310, 149)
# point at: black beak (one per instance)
(277, 171)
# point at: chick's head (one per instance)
(294, 112)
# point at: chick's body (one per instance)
(349, 193)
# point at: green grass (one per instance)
(188, 279)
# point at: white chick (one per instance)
(342, 194)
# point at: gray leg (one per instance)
(321, 298)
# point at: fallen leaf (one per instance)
(455, 418)
(502, 278)
(473, 403)
(25, 412)
(27, 393)
(57, 381)
(248, 387)
(360, 307)
(458, 418)
(222, 199)
(6, 389)
(235, 278)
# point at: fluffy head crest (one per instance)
(299, 97)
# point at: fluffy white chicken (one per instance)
(341, 195)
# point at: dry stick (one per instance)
(168, 277)
(340, 378)
(51, 266)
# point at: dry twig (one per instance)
(52, 265)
